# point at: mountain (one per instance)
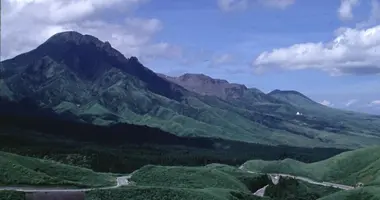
(79, 75)
(293, 97)
(206, 85)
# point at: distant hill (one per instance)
(293, 97)
(88, 80)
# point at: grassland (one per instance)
(349, 168)
(365, 193)
(215, 181)
(252, 181)
(165, 193)
(186, 177)
(21, 170)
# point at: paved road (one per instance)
(275, 179)
(327, 184)
(120, 181)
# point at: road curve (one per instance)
(260, 192)
(308, 180)
(120, 181)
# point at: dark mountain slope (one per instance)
(85, 77)
(27, 129)
(89, 58)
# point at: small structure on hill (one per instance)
(359, 185)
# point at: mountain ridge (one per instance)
(80, 74)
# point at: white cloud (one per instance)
(230, 5)
(30, 22)
(326, 103)
(350, 102)
(352, 51)
(233, 5)
(345, 9)
(222, 59)
(375, 103)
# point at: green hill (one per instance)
(365, 193)
(21, 170)
(164, 193)
(214, 182)
(186, 177)
(362, 165)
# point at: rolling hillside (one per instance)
(366, 193)
(20, 170)
(81, 76)
(349, 168)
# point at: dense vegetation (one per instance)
(28, 130)
(350, 167)
(86, 77)
(291, 189)
(11, 195)
(21, 170)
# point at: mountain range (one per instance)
(80, 75)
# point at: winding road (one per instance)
(275, 178)
(120, 181)
(124, 181)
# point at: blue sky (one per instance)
(245, 34)
(326, 49)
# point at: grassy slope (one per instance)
(355, 124)
(20, 170)
(365, 193)
(361, 165)
(162, 193)
(252, 181)
(186, 177)
(212, 182)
